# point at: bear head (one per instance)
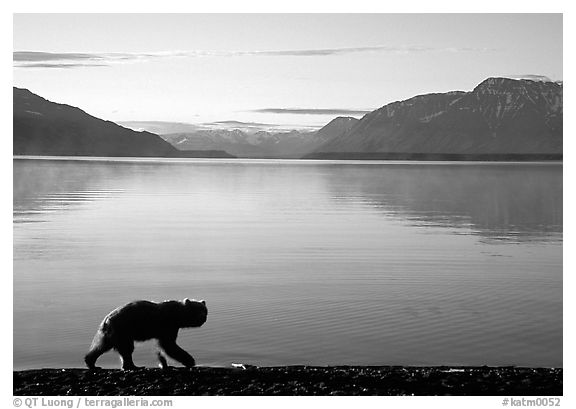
(194, 313)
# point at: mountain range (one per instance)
(500, 118)
(261, 144)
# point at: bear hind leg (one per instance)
(100, 345)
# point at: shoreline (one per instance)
(438, 157)
(367, 161)
(292, 381)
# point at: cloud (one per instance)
(238, 123)
(332, 51)
(312, 111)
(60, 65)
(39, 59)
(33, 59)
(531, 77)
(38, 56)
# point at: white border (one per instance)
(246, 6)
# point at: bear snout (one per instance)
(204, 318)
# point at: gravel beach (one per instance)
(293, 380)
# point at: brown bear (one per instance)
(144, 320)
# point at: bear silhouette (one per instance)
(144, 320)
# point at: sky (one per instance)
(295, 70)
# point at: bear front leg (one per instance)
(175, 352)
(125, 350)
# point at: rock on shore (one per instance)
(293, 380)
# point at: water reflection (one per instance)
(44, 186)
(518, 202)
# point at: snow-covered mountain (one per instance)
(292, 144)
(260, 144)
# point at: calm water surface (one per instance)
(301, 262)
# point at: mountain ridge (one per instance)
(43, 127)
(499, 116)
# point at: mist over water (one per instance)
(301, 262)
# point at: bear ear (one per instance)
(203, 302)
(186, 301)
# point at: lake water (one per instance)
(301, 262)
